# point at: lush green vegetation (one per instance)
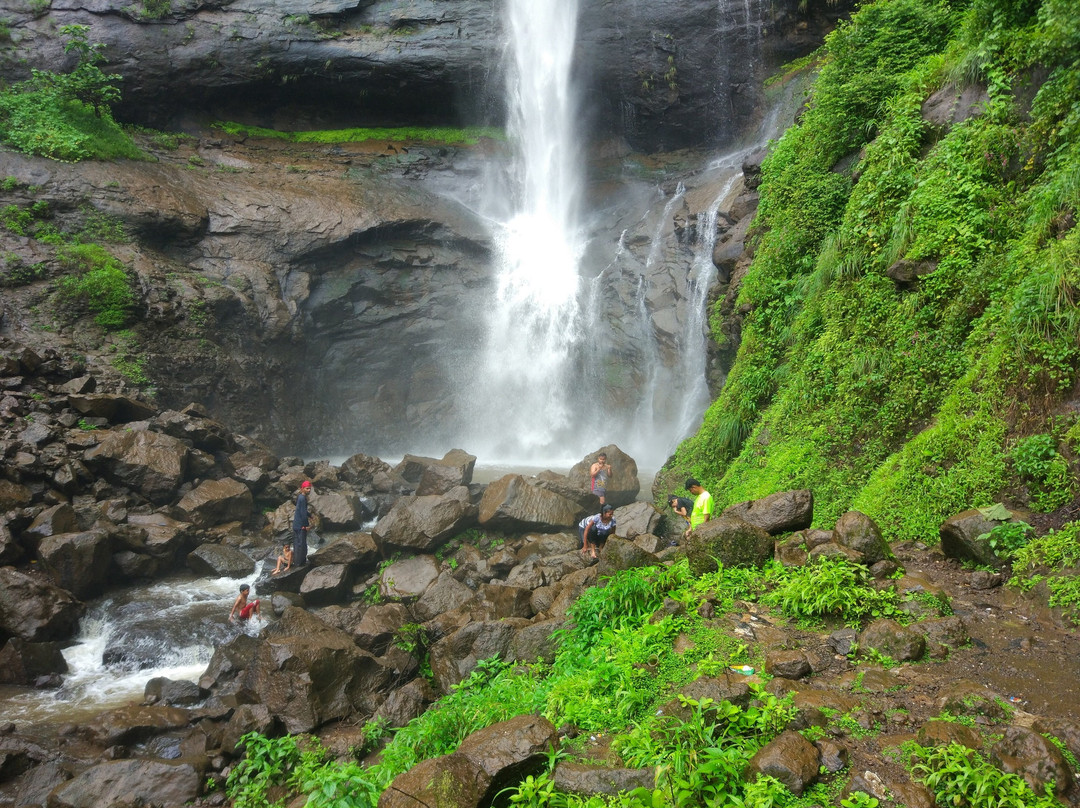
(67, 116)
(913, 296)
(421, 134)
(615, 672)
(99, 281)
(1052, 560)
(960, 776)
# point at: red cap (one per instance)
(306, 484)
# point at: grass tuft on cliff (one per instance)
(912, 320)
(401, 134)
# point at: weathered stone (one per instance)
(891, 639)
(21, 662)
(148, 462)
(444, 594)
(788, 664)
(834, 550)
(777, 513)
(338, 510)
(455, 657)
(130, 782)
(13, 495)
(943, 733)
(214, 502)
(954, 103)
(50, 522)
(834, 757)
(789, 758)
(409, 578)
(729, 541)
(948, 631)
(857, 531)
(421, 524)
(135, 724)
(379, 625)
(586, 780)
(791, 553)
(360, 470)
(34, 610)
(651, 543)
(960, 538)
(966, 697)
(166, 538)
(515, 503)
(509, 751)
(117, 409)
(450, 781)
(326, 583)
(983, 580)
(78, 562)
(717, 688)
(619, 554)
(356, 550)
(406, 703)
(636, 519)
(219, 561)
(535, 642)
(171, 692)
(1034, 758)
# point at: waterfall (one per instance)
(527, 368)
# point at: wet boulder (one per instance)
(777, 513)
(535, 642)
(50, 522)
(35, 610)
(730, 541)
(135, 724)
(338, 510)
(166, 537)
(379, 625)
(78, 562)
(24, 663)
(434, 476)
(587, 780)
(421, 524)
(144, 781)
(515, 503)
(623, 486)
(791, 664)
(509, 751)
(619, 554)
(215, 502)
(326, 583)
(445, 594)
(450, 781)
(636, 519)
(406, 703)
(203, 433)
(891, 639)
(360, 471)
(857, 531)
(499, 600)
(409, 578)
(172, 692)
(113, 407)
(1024, 752)
(943, 733)
(963, 536)
(356, 550)
(717, 688)
(454, 657)
(790, 758)
(219, 561)
(13, 495)
(148, 462)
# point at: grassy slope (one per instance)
(906, 402)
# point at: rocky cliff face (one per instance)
(663, 74)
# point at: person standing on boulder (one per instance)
(599, 474)
(300, 521)
(703, 504)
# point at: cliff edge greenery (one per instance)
(912, 337)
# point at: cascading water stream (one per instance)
(526, 378)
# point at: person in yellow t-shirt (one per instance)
(703, 504)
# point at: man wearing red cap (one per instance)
(300, 525)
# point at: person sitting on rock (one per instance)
(241, 606)
(593, 531)
(284, 561)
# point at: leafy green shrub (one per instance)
(961, 776)
(99, 282)
(830, 587)
(1008, 538)
(1050, 481)
(67, 116)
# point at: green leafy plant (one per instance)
(1050, 480)
(961, 776)
(1008, 538)
(859, 799)
(830, 587)
(99, 281)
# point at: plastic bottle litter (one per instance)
(745, 670)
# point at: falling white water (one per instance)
(526, 378)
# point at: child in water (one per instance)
(241, 605)
(284, 559)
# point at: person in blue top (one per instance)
(300, 524)
(593, 531)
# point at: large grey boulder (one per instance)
(636, 519)
(219, 561)
(891, 639)
(435, 476)
(619, 554)
(203, 433)
(445, 594)
(515, 503)
(35, 610)
(449, 781)
(509, 751)
(338, 510)
(22, 663)
(78, 562)
(790, 758)
(50, 522)
(166, 537)
(960, 537)
(587, 780)
(455, 657)
(326, 583)
(624, 485)
(145, 781)
(729, 540)
(356, 550)
(421, 524)
(409, 578)
(215, 502)
(148, 462)
(777, 513)
(1028, 754)
(114, 407)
